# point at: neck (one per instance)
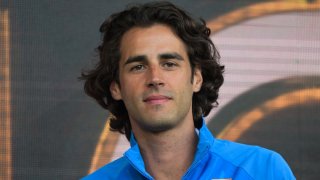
(168, 154)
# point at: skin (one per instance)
(156, 86)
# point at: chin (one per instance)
(159, 127)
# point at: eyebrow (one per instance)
(143, 58)
(139, 58)
(173, 55)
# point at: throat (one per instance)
(169, 158)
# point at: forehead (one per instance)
(157, 38)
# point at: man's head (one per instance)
(104, 83)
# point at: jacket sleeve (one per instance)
(279, 168)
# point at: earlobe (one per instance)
(115, 91)
(197, 80)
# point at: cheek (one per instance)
(183, 85)
(130, 86)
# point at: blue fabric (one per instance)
(214, 159)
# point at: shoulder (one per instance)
(110, 171)
(256, 161)
(238, 152)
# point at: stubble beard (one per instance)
(158, 124)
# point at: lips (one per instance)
(156, 99)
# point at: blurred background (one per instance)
(49, 129)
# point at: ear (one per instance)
(197, 79)
(115, 91)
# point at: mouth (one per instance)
(156, 99)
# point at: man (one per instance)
(159, 75)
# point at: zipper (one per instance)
(194, 165)
(147, 176)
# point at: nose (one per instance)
(155, 78)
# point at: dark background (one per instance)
(55, 127)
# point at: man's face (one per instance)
(155, 78)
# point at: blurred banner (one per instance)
(50, 129)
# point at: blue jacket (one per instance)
(214, 159)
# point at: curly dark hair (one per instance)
(195, 35)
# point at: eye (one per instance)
(169, 65)
(137, 68)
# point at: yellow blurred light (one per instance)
(5, 111)
(243, 122)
